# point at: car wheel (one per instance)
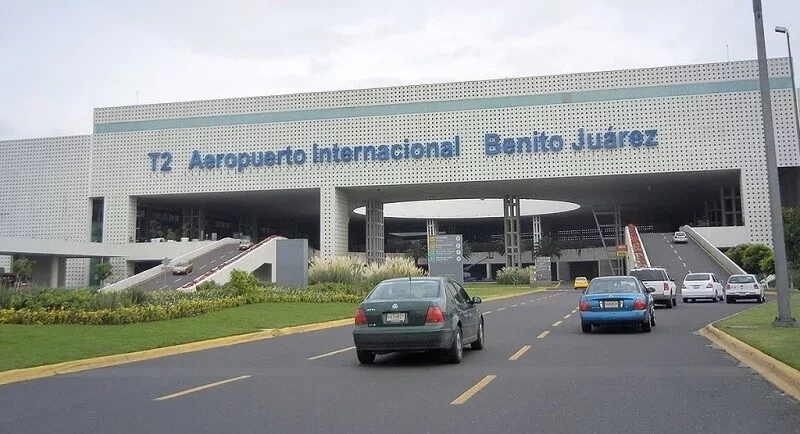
(714, 300)
(675, 301)
(365, 357)
(669, 304)
(761, 298)
(652, 319)
(586, 328)
(478, 345)
(685, 300)
(456, 352)
(647, 326)
(728, 300)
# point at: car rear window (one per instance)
(680, 234)
(607, 286)
(694, 277)
(648, 275)
(742, 279)
(405, 290)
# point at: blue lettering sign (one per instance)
(610, 138)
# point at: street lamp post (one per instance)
(785, 31)
(784, 318)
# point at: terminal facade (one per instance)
(658, 147)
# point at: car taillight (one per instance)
(727, 286)
(434, 315)
(666, 287)
(755, 286)
(639, 305)
(584, 306)
(710, 285)
(361, 317)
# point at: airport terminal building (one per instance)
(661, 147)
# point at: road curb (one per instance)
(519, 294)
(24, 374)
(781, 375)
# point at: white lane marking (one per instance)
(487, 312)
(163, 287)
(523, 302)
(557, 323)
(178, 280)
(502, 308)
(684, 264)
(679, 258)
(213, 260)
(222, 257)
(331, 353)
(514, 305)
(567, 315)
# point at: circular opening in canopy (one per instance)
(467, 208)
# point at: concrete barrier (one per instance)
(146, 275)
(631, 231)
(724, 261)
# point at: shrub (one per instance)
(353, 289)
(514, 276)
(392, 267)
(339, 269)
(5, 297)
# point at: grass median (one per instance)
(34, 345)
(754, 327)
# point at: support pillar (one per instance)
(375, 235)
(489, 270)
(54, 271)
(511, 211)
(119, 227)
(541, 265)
(334, 222)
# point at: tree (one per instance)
(102, 270)
(23, 268)
(417, 250)
(546, 248)
(753, 258)
(767, 264)
(791, 229)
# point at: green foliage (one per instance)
(791, 229)
(546, 247)
(417, 249)
(514, 276)
(360, 289)
(392, 267)
(767, 264)
(102, 270)
(753, 258)
(24, 269)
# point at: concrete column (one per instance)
(542, 265)
(375, 235)
(511, 232)
(334, 221)
(119, 226)
(54, 271)
(488, 270)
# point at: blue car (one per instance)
(617, 300)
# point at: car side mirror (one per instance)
(651, 290)
(476, 300)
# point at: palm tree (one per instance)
(546, 248)
(417, 249)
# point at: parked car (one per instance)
(417, 314)
(581, 282)
(680, 238)
(659, 279)
(182, 268)
(617, 300)
(702, 286)
(744, 286)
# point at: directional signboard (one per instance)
(445, 256)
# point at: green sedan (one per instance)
(413, 314)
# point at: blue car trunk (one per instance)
(613, 302)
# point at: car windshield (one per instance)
(692, 277)
(742, 279)
(680, 234)
(405, 289)
(609, 286)
(580, 278)
(647, 275)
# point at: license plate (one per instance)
(696, 287)
(611, 304)
(396, 317)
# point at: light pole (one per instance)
(785, 31)
(784, 318)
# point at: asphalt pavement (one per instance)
(537, 373)
(680, 259)
(205, 262)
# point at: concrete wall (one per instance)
(723, 237)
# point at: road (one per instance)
(166, 280)
(561, 381)
(680, 259)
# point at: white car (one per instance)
(657, 278)
(702, 286)
(680, 238)
(744, 286)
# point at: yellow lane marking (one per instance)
(567, 315)
(520, 352)
(501, 308)
(199, 388)
(473, 390)
(331, 353)
(557, 323)
(544, 333)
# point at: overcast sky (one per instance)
(62, 58)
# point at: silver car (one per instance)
(680, 238)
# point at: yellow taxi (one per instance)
(581, 282)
